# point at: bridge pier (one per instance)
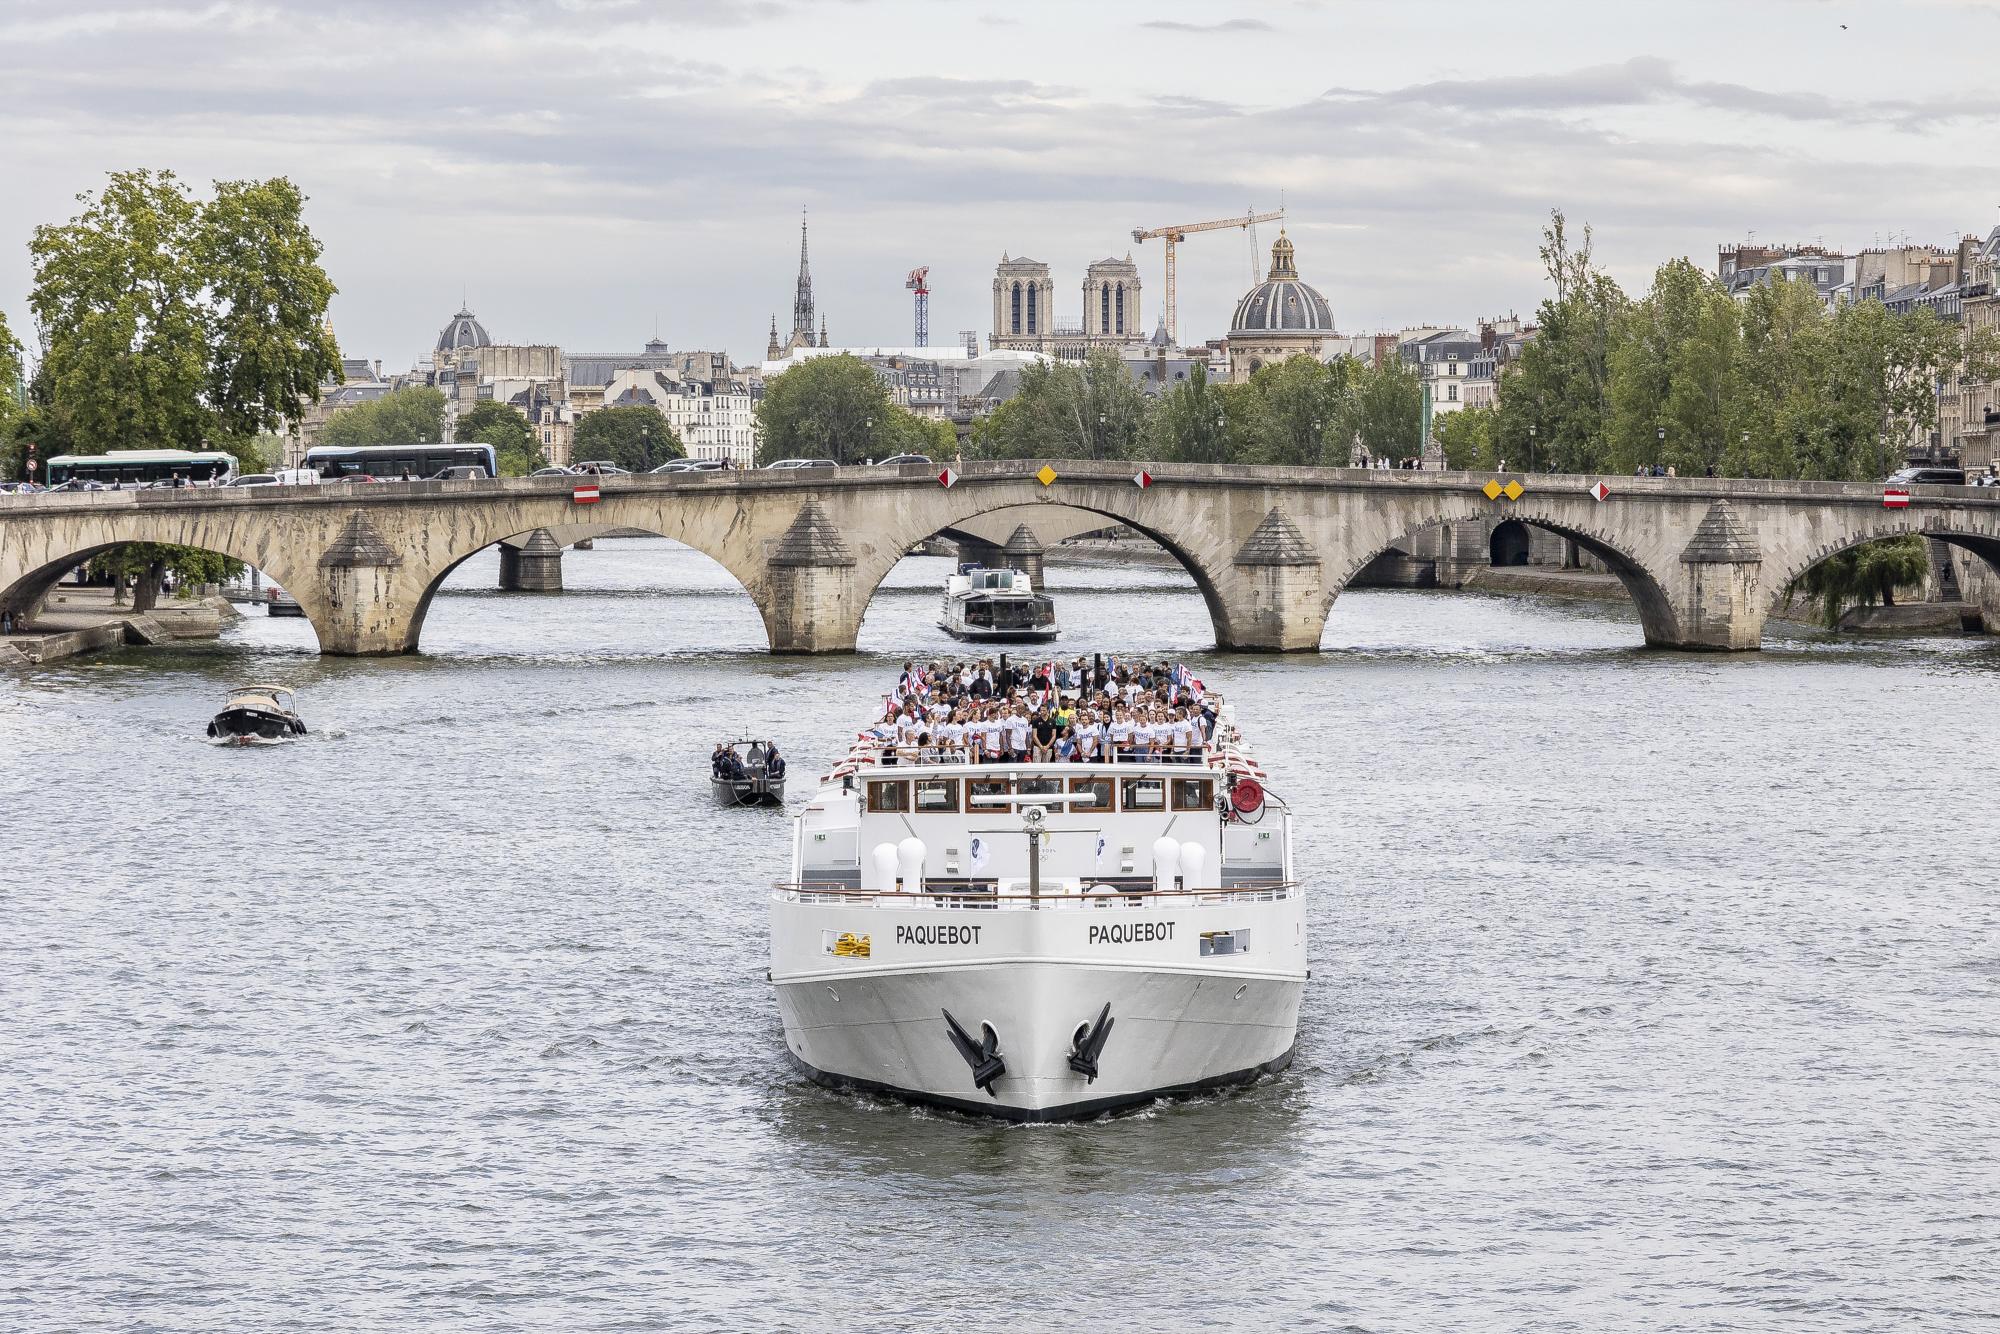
(356, 589)
(1275, 599)
(1721, 571)
(810, 603)
(533, 567)
(1024, 553)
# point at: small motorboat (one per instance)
(747, 773)
(256, 715)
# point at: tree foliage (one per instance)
(12, 397)
(169, 321)
(507, 430)
(1776, 385)
(1863, 576)
(635, 437)
(1467, 438)
(836, 408)
(408, 416)
(1095, 410)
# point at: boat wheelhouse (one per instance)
(996, 607)
(257, 715)
(1041, 941)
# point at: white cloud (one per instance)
(582, 167)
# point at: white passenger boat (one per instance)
(996, 607)
(1041, 942)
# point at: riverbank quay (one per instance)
(86, 620)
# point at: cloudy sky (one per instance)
(587, 171)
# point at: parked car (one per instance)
(460, 472)
(900, 459)
(77, 484)
(550, 472)
(256, 479)
(1928, 474)
(674, 465)
(783, 464)
(297, 476)
(706, 465)
(600, 468)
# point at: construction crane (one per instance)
(919, 282)
(1174, 235)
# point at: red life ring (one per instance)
(1247, 795)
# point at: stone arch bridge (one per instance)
(1270, 548)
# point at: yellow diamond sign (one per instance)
(1046, 476)
(1493, 490)
(1514, 490)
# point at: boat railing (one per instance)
(872, 754)
(1062, 899)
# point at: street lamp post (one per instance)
(1531, 446)
(1097, 449)
(1660, 452)
(1215, 442)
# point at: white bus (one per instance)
(143, 467)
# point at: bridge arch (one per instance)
(664, 518)
(1977, 533)
(35, 560)
(1658, 619)
(1200, 563)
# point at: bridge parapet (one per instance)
(1269, 548)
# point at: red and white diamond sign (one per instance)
(584, 495)
(1598, 490)
(1142, 480)
(1895, 498)
(946, 478)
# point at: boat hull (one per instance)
(748, 791)
(863, 992)
(253, 726)
(980, 635)
(1172, 1033)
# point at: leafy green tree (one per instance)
(408, 416)
(1190, 424)
(1863, 576)
(635, 437)
(1466, 437)
(1092, 411)
(171, 322)
(1561, 385)
(13, 397)
(1301, 412)
(825, 407)
(1389, 410)
(1671, 369)
(507, 430)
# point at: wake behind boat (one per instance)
(976, 922)
(256, 715)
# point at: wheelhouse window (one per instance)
(1194, 794)
(937, 794)
(1144, 794)
(887, 795)
(988, 793)
(1099, 790)
(1044, 786)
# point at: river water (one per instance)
(1649, 991)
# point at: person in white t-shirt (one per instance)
(1119, 733)
(1017, 734)
(950, 737)
(1088, 737)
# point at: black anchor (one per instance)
(983, 1056)
(1088, 1043)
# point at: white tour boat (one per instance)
(1041, 941)
(996, 607)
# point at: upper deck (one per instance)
(1175, 806)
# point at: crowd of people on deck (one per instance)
(1085, 711)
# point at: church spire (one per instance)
(802, 298)
(771, 352)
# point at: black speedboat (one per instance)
(256, 715)
(747, 773)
